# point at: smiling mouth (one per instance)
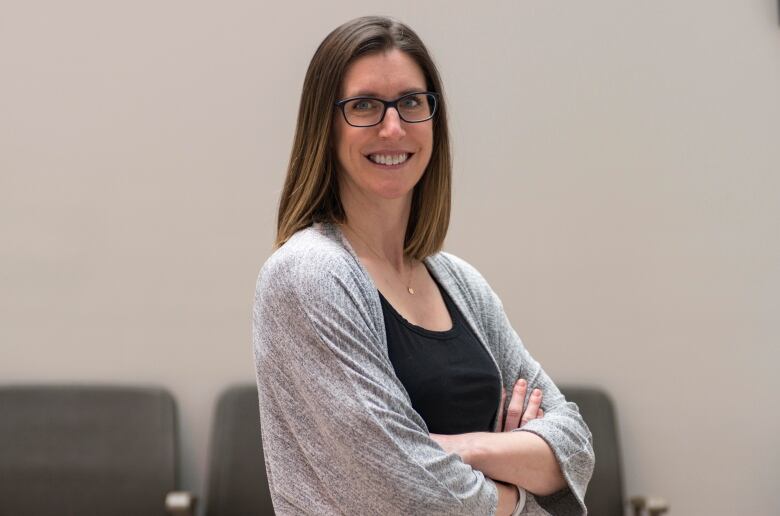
(389, 159)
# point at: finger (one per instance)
(515, 410)
(540, 413)
(501, 410)
(534, 402)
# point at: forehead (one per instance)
(387, 74)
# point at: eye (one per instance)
(411, 102)
(363, 105)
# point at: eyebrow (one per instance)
(370, 93)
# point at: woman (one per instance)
(380, 360)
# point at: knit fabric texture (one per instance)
(339, 433)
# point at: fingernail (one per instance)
(521, 382)
(537, 392)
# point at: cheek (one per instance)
(346, 141)
(426, 140)
(425, 133)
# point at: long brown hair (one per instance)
(310, 192)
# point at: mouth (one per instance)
(389, 160)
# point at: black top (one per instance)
(451, 380)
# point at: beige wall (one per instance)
(616, 181)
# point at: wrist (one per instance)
(477, 452)
(508, 497)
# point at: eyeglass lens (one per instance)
(416, 107)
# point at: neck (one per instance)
(380, 226)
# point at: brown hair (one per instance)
(310, 192)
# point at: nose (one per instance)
(392, 127)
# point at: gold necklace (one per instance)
(411, 269)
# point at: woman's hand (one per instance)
(464, 444)
(515, 415)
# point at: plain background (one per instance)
(616, 180)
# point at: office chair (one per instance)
(605, 495)
(237, 483)
(88, 450)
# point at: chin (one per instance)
(395, 190)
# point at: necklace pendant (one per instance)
(411, 290)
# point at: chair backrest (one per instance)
(605, 496)
(237, 483)
(77, 450)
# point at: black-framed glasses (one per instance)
(368, 111)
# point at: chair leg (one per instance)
(180, 503)
(657, 506)
(637, 504)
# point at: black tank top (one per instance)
(451, 380)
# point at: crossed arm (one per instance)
(520, 458)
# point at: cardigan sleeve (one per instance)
(339, 432)
(562, 426)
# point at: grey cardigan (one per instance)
(339, 433)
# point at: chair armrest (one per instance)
(654, 506)
(180, 503)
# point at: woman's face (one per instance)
(363, 151)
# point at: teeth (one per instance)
(388, 159)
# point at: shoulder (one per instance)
(306, 253)
(448, 265)
(313, 286)
(463, 280)
(313, 263)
